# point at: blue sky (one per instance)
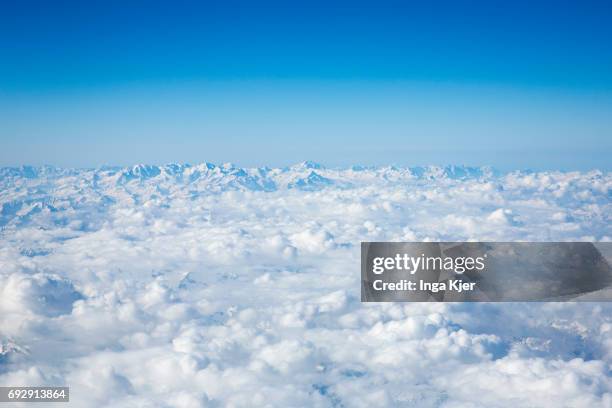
(508, 84)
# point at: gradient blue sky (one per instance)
(509, 84)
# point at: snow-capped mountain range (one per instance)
(27, 190)
(304, 176)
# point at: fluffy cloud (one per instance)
(206, 285)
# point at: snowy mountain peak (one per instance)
(307, 164)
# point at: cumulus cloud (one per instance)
(205, 285)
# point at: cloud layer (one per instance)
(205, 285)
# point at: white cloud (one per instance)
(218, 286)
